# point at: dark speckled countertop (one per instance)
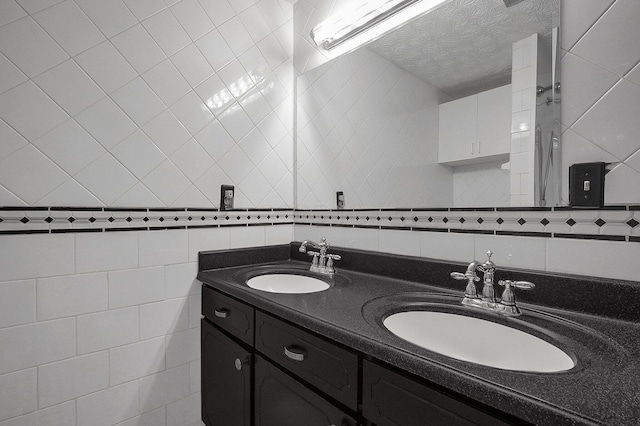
(602, 336)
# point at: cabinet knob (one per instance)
(238, 363)
(221, 313)
(293, 354)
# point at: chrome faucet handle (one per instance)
(471, 292)
(466, 276)
(330, 259)
(522, 285)
(315, 255)
(508, 301)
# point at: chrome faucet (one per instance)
(322, 261)
(507, 305)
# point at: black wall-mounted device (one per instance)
(586, 184)
(340, 200)
(226, 197)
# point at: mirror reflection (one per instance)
(457, 108)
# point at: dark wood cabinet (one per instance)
(229, 314)
(226, 379)
(293, 377)
(330, 368)
(393, 399)
(283, 401)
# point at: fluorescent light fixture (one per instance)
(365, 20)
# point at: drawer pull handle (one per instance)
(221, 313)
(292, 354)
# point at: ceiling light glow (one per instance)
(365, 20)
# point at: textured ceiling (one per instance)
(465, 45)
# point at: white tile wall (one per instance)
(61, 414)
(125, 84)
(524, 78)
(363, 124)
(107, 329)
(71, 295)
(607, 259)
(36, 118)
(137, 360)
(600, 100)
(481, 185)
(18, 393)
(38, 343)
(108, 407)
(17, 302)
(136, 286)
(156, 417)
(161, 318)
(165, 387)
(125, 342)
(72, 378)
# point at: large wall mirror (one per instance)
(377, 123)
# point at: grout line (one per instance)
(598, 19)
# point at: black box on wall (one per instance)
(586, 184)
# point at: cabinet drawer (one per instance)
(281, 400)
(229, 314)
(389, 398)
(330, 368)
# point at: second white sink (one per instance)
(287, 283)
(479, 341)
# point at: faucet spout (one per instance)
(322, 261)
(471, 270)
(305, 243)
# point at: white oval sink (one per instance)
(287, 283)
(478, 341)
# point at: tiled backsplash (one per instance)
(130, 103)
(616, 224)
(58, 220)
(597, 243)
(600, 91)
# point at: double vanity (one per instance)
(393, 340)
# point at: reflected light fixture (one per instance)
(365, 20)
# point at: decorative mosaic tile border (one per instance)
(43, 220)
(619, 223)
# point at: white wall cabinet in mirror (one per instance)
(476, 129)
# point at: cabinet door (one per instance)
(494, 122)
(392, 399)
(226, 379)
(457, 129)
(281, 400)
(332, 369)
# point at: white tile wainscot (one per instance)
(87, 346)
